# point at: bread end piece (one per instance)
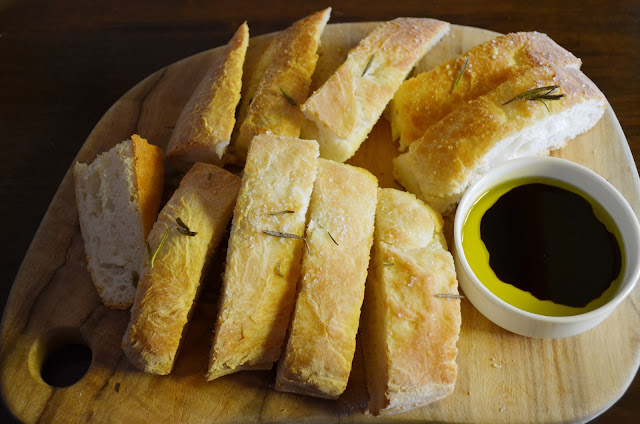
(203, 130)
(168, 290)
(118, 196)
(341, 113)
(409, 335)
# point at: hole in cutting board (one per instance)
(61, 358)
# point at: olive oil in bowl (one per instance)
(557, 252)
(544, 246)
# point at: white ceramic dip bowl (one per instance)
(518, 320)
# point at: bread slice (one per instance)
(485, 132)
(423, 100)
(322, 335)
(118, 197)
(409, 335)
(264, 254)
(284, 85)
(343, 110)
(189, 229)
(204, 128)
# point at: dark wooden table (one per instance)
(63, 63)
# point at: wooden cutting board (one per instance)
(503, 378)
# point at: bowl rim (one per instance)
(492, 178)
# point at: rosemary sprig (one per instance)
(288, 97)
(366, 68)
(184, 229)
(155, 254)
(281, 212)
(539, 94)
(450, 296)
(287, 235)
(464, 68)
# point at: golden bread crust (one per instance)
(409, 335)
(204, 128)
(423, 100)
(149, 169)
(293, 57)
(167, 291)
(348, 104)
(440, 165)
(262, 270)
(322, 336)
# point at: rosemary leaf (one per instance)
(283, 235)
(540, 94)
(388, 263)
(278, 270)
(450, 296)
(366, 68)
(184, 229)
(332, 239)
(288, 97)
(281, 212)
(155, 254)
(464, 68)
(117, 387)
(287, 235)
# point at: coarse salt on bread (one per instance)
(423, 100)
(409, 334)
(189, 229)
(285, 71)
(264, 254)
(342, 112)
(485, 132)
(322, 336)
(118, 196)
(204, 128)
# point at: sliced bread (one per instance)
(342, 112)
(497, 127)
(189, 229)
(118, 196)
(204, 128)
(284, 84)
(409, 333)
(423, 100)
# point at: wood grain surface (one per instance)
(65, 63)
(502, 377)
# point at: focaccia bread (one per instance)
(322, 336)
(487, 131)
(284, 84)
(264, 254)
(342, 112)
(118, 197)
(189, 229)
(409, 334)
(423, 100)
(204, 128)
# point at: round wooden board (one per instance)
(502, 377)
